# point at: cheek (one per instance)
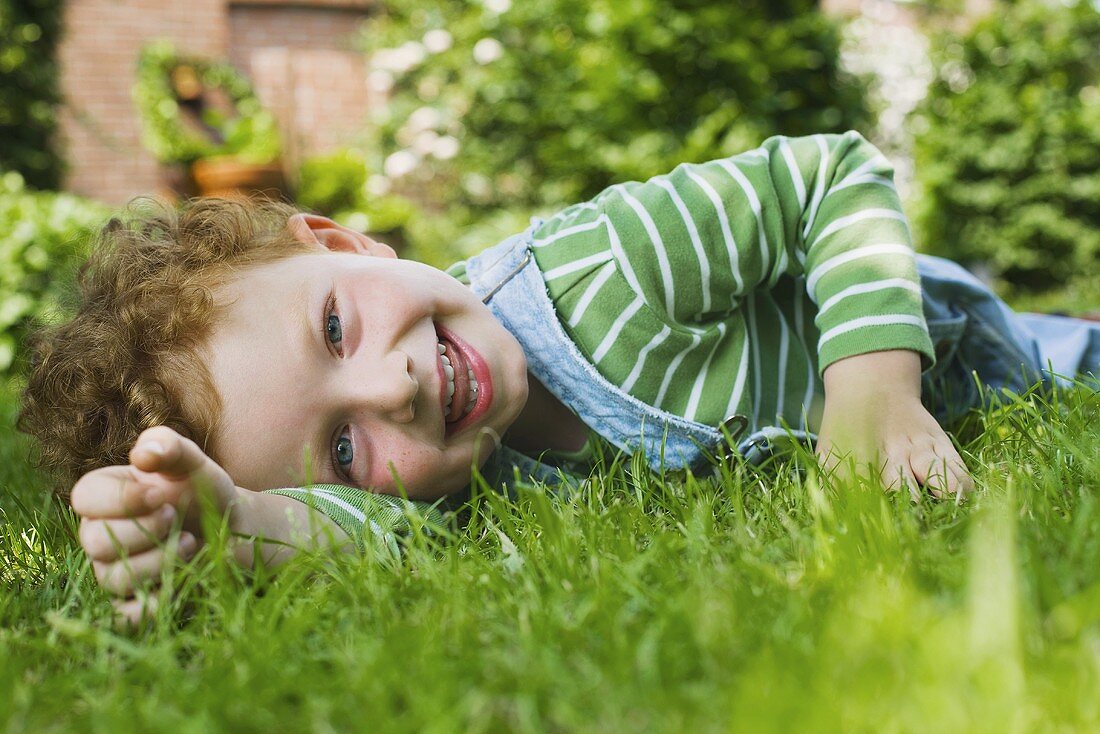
(422, 472)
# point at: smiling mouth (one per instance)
(450, 385)
(466, 381)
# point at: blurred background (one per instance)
(441, 126)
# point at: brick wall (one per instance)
(299, 55)
(304, 66)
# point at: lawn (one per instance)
(754, 601)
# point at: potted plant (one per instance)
(201, 115)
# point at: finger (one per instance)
(114, 492)
(898, 476)
(132, 612)
(109, 540)
(930, 471)
(122, 577)
(963, 480)
(162, 450)
(942, 471)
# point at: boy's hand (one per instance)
(874, 417)
(128, 512)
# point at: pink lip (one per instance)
(484, 380)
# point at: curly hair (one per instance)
(131, 357)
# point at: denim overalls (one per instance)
(970, 328)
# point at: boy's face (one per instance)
(329, 370)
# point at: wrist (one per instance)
(894, 374)
(276, 528)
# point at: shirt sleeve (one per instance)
(368, 517)
(694, 242)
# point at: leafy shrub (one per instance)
(530, 105)
(249, 132)
(338, 185)
(42, 237)
(29, 89)
(1007, 147)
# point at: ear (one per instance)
(327, 234)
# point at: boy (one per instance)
(249, 347)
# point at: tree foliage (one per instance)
(29, 90)
(498, 105)
(42, 241)
(1008, 146)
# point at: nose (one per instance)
(385, 386)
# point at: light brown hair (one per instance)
(131, 357)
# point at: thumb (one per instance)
(163, 451)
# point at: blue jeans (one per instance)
(973, 331)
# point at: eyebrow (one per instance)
(309, 340)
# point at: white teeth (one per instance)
(449, 371)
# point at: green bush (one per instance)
(250, 135)
(530, 105)
(29, 90)
(1007, 147)
(42, 239)
(336, 185)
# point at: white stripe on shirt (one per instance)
(784, 348)
(861, 170)
(870, 178)
(695, 339)
(877, 285)
(697, 388)
(844, 258)
(331, 498)
(653, 344)
(757, 378)
(582, 264)
(658, 249)
(620, 255)
(616, 328)
(567, 232)
(819, 187)
(739, 381)
(838, 224)
(754, 205)
(795, 171)
(590, 292)
(884, 319)
(727, 233)
(696, 240)
(800, 329)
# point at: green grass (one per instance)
(756, 602)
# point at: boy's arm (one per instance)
(128, 513)
(696, 242)
(873, 414)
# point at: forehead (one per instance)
(261, 367)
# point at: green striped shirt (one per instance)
(728, 287)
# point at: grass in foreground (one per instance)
(755, 602)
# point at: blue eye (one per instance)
(334, 332)
(343, 451)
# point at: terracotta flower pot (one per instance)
(226, 176)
